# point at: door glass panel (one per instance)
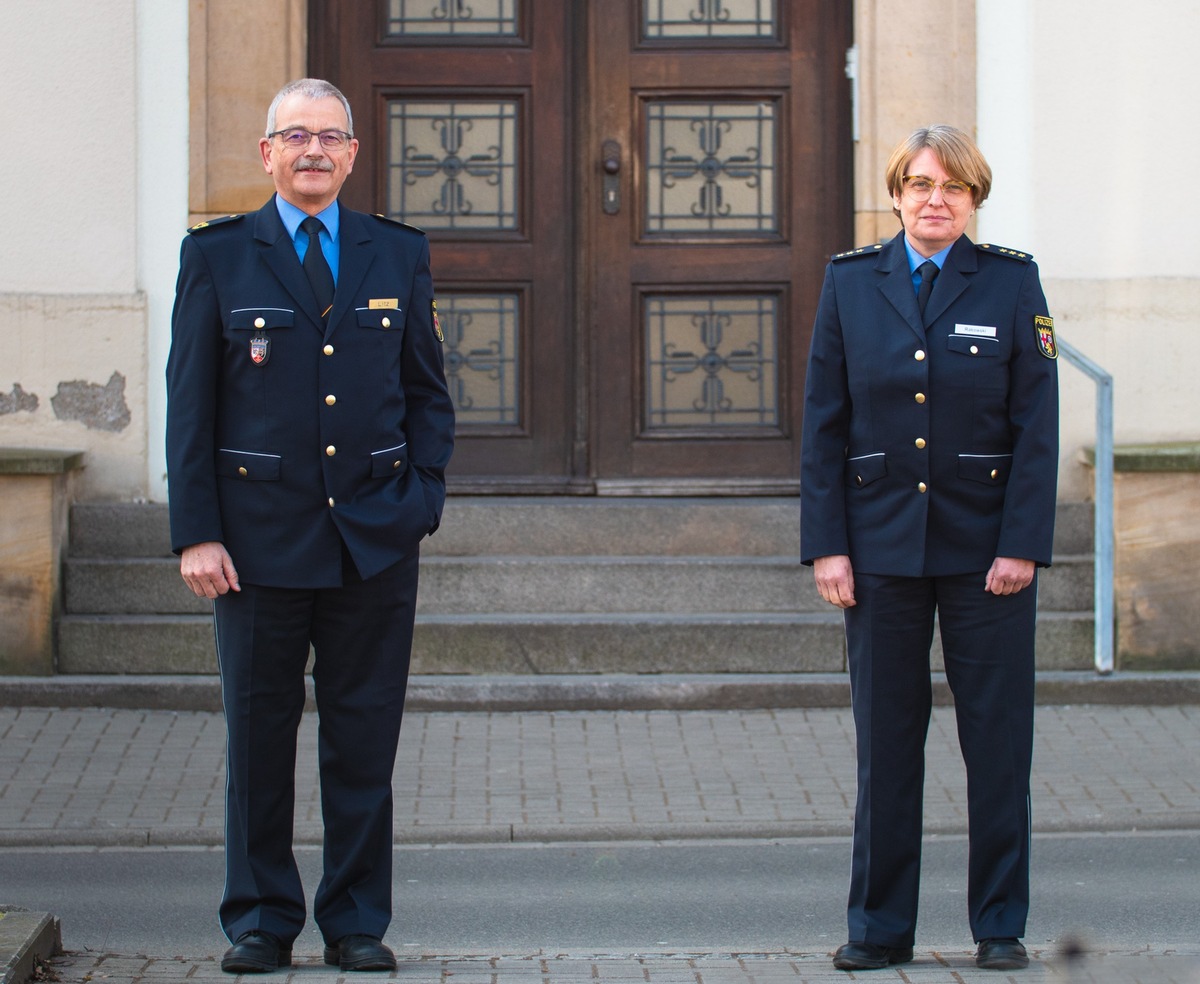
(453, 165)
(708, 19)
(710, 168)
(482, 368)
(711, 361)
(452, 18)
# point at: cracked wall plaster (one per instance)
(18, 400)
(96, 407)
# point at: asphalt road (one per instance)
(1118, 890)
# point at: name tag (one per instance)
(983, 331)
(394, 302)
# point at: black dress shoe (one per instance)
(360, 953)
(1006, 954)
(870, 956)
(256, 952)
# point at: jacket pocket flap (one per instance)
(991, 469)
(258, 319)
(389, 461)
(381, 319)
(973, 345)
(865, 469)
(248, 465)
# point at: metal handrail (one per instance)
(1104, 546)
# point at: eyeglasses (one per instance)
(298, 138)
(920, 189)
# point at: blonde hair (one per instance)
(955, 151)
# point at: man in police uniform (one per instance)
(308, 431)
(928, 484)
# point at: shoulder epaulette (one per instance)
(209, 223)
(388, 218)
(861, 251)
(1012, 254)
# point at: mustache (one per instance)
(314, 164)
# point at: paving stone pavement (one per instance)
(125, 777)
(105, 777)
(1175, 966)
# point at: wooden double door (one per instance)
(630, 205)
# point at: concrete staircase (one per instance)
(547, 586)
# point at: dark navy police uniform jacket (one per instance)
(929, 452)
(287, 437)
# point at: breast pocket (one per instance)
(380, 319)
(261, 318)
(979, 362)
(977, 347)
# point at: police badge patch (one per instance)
(260, 349)
(437, 325)
(1044, 326)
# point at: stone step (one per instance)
(553, 585)
(572, 642)
(481, 585)
(550, 526)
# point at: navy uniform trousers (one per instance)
(361, 635)
(988, 645)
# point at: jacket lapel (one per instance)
(896, 283)
(952, 281)
(280, 255)
(357, 253)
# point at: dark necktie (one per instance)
(928, 271)
(315, 266)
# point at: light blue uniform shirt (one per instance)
(292, 217)
(915, 259)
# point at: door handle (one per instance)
(610, 186)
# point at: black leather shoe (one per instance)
(360, 953)
(256, 952)
(870, 956)
(1006, 954)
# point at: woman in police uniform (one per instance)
(928, 480)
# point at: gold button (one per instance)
(974, 349)
(328, 350)
(919, 355)
(331, 502)
(920, 442)
(922, 487)
(995, 473)
(920, 397)
(260, 322)
(331, 450)
(330, 399)
(396, 464)
(858, 480)
(242, 470)
(386, 322)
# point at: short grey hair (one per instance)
(310, 89)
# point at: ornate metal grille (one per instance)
(453, 18)
(482, 333)
(711, 361)
(709, 19)
(453, 165)
(710, 168)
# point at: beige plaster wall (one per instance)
(1080, 117)
(67, 71)
(78, 382)
(73, 371)
(1144, 331)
